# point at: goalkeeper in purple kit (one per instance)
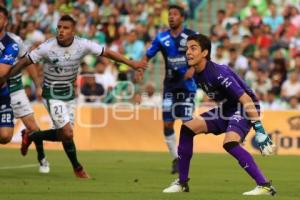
(238, 110)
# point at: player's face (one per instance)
(194, 53)
(65, 31)
(175, 19)
(3, 21)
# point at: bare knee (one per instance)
(6, 135)
(66, 133)
(30, 123)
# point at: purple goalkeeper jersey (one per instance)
(223, 85)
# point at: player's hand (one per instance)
(138, 65)
(189, 73)
(263, 140)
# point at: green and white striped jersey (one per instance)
(61, 64)
(15, 82)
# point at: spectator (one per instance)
(220, 56)
(294, 103)
(106, 75)
(150, 98)
(272, 102)
(247, 48)
(295, 45)
(238, 62)
(274, 20)
(251, 75)
(291, 87)
(134, 48)
(263, 83)
(90, 89)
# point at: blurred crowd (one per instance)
(260, 41)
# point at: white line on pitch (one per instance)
(19, 166)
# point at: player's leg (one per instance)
(237, 130)
(207, 122)
(32, 126)
(23, 110)
(68, 142)
(170, 140)
(169, 133)
(6, 121)
(6, 134)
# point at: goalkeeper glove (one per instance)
(262, 139)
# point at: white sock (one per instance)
(171, 143)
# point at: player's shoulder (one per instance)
(216, 69)
(7, 41)
(15, 37)
(82, 41)
(9, 44)
(163, 35)
(189, 31)
(48, 44)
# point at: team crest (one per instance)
(182, 42)
(67, 55)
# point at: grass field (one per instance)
(139, 176)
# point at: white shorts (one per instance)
(20, 104)
(61, 112)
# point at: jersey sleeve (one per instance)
(154, 48)
(93, 47)
(10, 54)
(228, 84)
(37, 54)
(23, 50)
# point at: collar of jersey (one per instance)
(65, 45)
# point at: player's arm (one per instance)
(263, 140)
(7, 59)
(230, 86)
(19, 66)
(32, 71)
(120, 58)
(189, 73)
(4, 70)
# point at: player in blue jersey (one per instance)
(179, 86)
(237, 112)
(9, 51)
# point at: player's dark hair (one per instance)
(179, 8)
(203, 41)
(4, 11)
(69, 19)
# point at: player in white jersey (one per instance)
(62, 57)
(21, 105)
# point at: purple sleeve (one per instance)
(229, 85)
(154, 48)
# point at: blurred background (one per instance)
(259, 39)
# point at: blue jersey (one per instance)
(9, 51)
(223, 85)
(173, 50)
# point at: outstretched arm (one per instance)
(21, 64)
(120, 58)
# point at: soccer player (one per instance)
(62, 57)
(179, 86)
(9, 51)
(21, 105)
(238, 110)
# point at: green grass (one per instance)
(140, 176)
